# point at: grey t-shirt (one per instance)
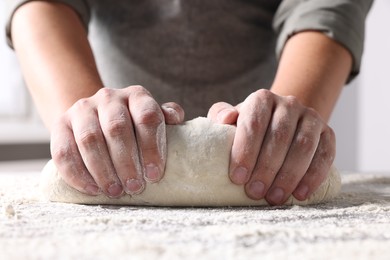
(200, 52)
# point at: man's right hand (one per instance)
(113, 141)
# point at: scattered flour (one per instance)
(356, 225)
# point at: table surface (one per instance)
(355, 225)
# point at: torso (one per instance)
(193, 52)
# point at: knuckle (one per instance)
(280, 135)
(253, 123)
(263, 99)
(331, 134)
(150, 117)
(258, 107)
(81, 105)
(61, 141)
(137, 92)
(329, 137)
(89, 137)
(61, 152)
(61, 122)
(139, 89)
(327, 152)
(328, 155)
(291, 99)
(281, 132)
(117, 127)
(312, 113)
(264, 94)
(291, 102)
(305, 141)
(105, 94)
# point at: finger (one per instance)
(299, 156)
(255, 113)
(119, 134)
(173, 113)
(274, 149)
(223, 113)
(93, 148)
(68, 160)
(319, 167)
(150, 132)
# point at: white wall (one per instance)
(362, 117)
(344, 122)
(12, 99)
(374, 93)
(19, 122)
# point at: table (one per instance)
(356, 225)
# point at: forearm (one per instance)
(55, 57)
(313, 68)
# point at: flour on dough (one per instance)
(196, 174)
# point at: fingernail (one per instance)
(302, 191)
(115, 190)
(134, 186)
(276, 196)
(152, 173)
(92, 189)
(240, 175)
(256, 189)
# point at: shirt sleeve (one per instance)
(341, 20)
(80, 6)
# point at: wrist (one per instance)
(313, 68)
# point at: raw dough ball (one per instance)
(196, 174)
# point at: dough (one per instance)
(196, 174)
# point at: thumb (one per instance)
(173, 113)
(223, 113)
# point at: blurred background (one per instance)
(361, 119)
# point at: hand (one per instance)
(280, 148)
(113, 140)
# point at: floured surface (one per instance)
(196, 174)
(356, 225)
